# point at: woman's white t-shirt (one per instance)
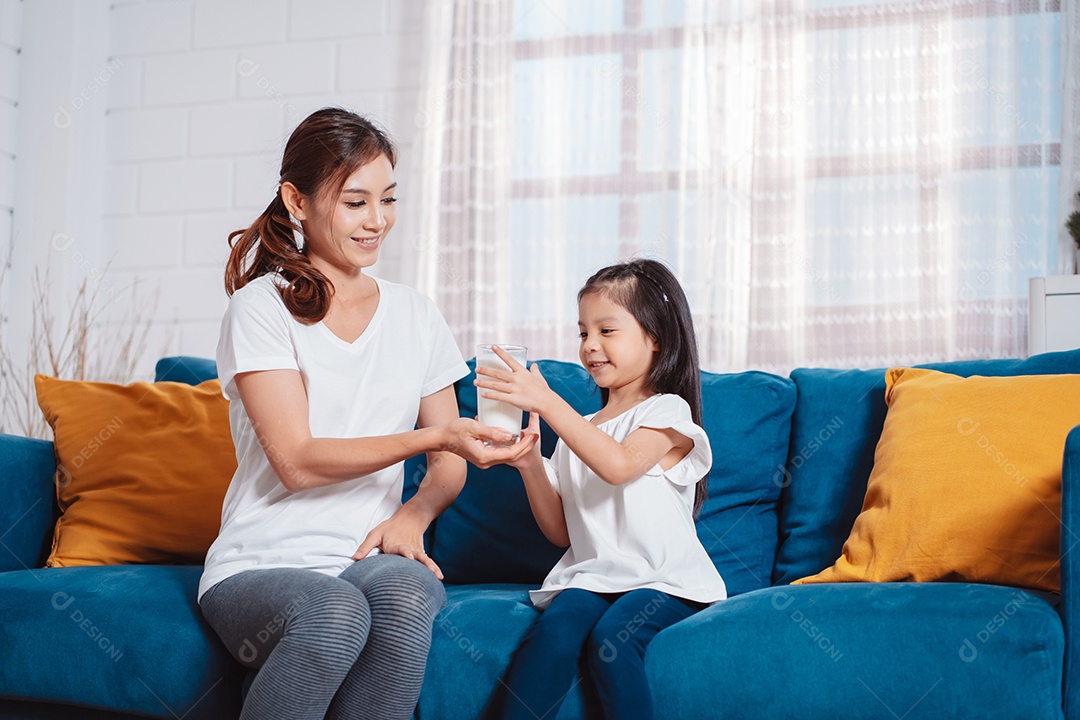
(368, 387)
(640, 534)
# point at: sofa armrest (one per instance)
(28, 508)
(1070, 571)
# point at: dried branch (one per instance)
(82, 349)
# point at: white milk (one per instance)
(497, 413)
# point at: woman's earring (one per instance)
(298, 232)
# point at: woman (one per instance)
(328, 371)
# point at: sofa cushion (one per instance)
(747, 416)
(966, 482)
(837, 422)
(864, 650)
(124, 496)
(129, 638)
(28, 512)
(185, 369)
(472, 642)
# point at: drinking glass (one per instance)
(496, 413)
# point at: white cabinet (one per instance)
(1053, 313)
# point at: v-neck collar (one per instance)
(368, 331)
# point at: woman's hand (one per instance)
(402, 534)
(467, 440)
(521, 388)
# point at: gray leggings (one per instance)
(349, 646)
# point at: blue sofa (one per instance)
(792, 457)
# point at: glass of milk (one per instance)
(495, 413)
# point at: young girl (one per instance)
(621, 490)
(328, 371)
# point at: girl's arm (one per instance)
(276, 403)
(545, 502)
(614, 462)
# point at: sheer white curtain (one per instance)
(461, 256)
(1068, 253)
(836, 182)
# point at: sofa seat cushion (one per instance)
(472, 642)
(862, 650)
(128, 638)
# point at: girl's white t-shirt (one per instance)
(640, 534)
(365, 388)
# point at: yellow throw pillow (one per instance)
(141, 470)
(966, 484)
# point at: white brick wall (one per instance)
(199, 115)
(282, 71)
(239, 23)
(187, 78)
(151, 28)
(10, 35)
(319, 19)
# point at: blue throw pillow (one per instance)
(837, 423)
(185, 369)
(747, 416)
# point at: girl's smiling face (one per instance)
(344, 231)
(614, 348)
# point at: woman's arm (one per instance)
(403, 534)
(614, 462)
(277, 405)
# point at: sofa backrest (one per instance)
(28, 510)
(838, 420)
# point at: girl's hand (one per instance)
(521, 388)
(529, 454)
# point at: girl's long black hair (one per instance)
(651, 293)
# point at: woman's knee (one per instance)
(398, 585)
(338, 609)
(257, 610)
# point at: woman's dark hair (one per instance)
(322, 152)
(652, 294)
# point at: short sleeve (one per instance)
(552, 474)
(254, 335)
(671, 411)
(445, 364)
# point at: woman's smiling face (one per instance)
(345, 230)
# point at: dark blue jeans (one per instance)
(611, 631)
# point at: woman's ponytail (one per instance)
(268, 246)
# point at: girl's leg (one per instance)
(545, 667)
(404, 597)
(616, 649)
(302, 629)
